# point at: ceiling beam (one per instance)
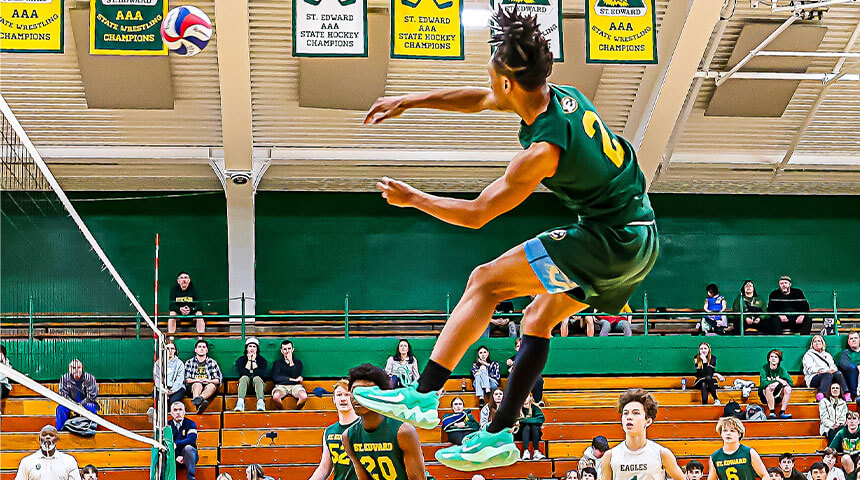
(813, 110)
(667, 97)
(234, 75)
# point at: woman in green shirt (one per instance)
(531, 424)
(775, 385)
(752, 304)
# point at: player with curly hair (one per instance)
(597, 260)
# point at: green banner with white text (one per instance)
(127, 27)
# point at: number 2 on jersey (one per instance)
(386, 468)
(611, 148)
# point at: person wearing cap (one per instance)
(784, 302)
(252, 369)
(184, 301)
(599, 446)
(80, 387)
(48, 463)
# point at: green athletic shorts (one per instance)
(594, 263)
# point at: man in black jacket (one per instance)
(184, 301)
(785, 301)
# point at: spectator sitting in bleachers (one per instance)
(786, 467)
(531, 428)
(847, 442)
(252, 368)
(817, 471)
(175, 378)
(184, 439)
(287, 375)
(48, 462)
(578, 324)
(849, 362)
(184, 301)
(588, 473)
(716, 303)
(694, 470)
(203, 375)
(775, 385)
(828, 458)
(499, 321)
(615, 323)
(706, 374)
(774, 473)
(485, 373)
(832, 412)
(459, 423)
(402, 364)
(255, 472)
(571, 475)
(80, 387)
(5, 386)
(594, 452)
(537, 389)
(90, 472)
(819, 369)
(785, 301)
(488, 411)
(751, 304)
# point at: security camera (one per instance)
(238, 177)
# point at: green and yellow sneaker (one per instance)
(481, 450)
(405, 404)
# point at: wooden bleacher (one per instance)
(578, 408)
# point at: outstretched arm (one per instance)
(413, 458)
(670, 464)
(522, 176)
(464, 99)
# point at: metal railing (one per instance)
(348, 317)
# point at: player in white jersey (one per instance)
(637, 458)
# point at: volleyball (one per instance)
(186, 30)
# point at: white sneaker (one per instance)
(261, 405)
(538, 455)
(526, 456)
(240, 405)
(717, 402)
(150, 412)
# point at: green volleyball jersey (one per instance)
(343, 469)
(598, 176)
(735, 466)
(378, 451)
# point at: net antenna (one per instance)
(20, 171)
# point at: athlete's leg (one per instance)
(539, 318)
(506, 277)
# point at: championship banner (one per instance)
(620, 31)
(427, 29)
(31, 26)
(548, 14)
(127, 27)
(329, 28)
